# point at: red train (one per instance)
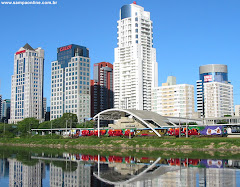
(175, 132)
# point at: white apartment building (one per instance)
(135, 66)
(174, 100)
(218, 99)
(27, 84)
(237, 110)
(70, 82)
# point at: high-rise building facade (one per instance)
(0, 107)
(70, 82)
(237, 110)
(218, 99)
(214, 91)
(6, 105)
(101, 87)
(135, 66)
(44, 106)
(27, 84)
(173, 100)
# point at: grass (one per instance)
(125, 143)
(25, 153)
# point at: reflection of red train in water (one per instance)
(145, 160)
(184, 162)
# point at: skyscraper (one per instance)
(71, 82)
(44, 106)
(27, 84)
(0, 107)
(6, 105)
(101, 87)
(135, 66)
(214, 91)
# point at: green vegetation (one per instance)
(222, 122)
(87, 124)
(23, 127)
(214, 143)
(227, 115)
(19, 134)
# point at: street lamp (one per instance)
(179, 126)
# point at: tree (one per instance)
(87, 124)
(27, 124)
(45, 125)
(7, 130)
(69, 118)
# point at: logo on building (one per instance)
(19, 52)
(207, 78)
(65, 48)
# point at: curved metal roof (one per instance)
(145, 117)
(149, 115)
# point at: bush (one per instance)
(7, 135)
(48, 136)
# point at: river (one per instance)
(30, 168)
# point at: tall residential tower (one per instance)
(27, 84)
(71, 82)
(135, 66)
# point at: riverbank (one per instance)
(145, 143)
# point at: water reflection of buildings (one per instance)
(165, 176)
(187, 177)
(24, 175)
(79, 177)
(88, 170)
(4, 167)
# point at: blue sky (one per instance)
(187, 34)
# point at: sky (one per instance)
(187, 34)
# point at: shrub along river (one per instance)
(59, 167)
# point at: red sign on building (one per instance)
(19, 52)
(65, 48)
(207, 78)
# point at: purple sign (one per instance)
(209, 163)
(211, 130)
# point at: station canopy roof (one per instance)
(142, 115)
